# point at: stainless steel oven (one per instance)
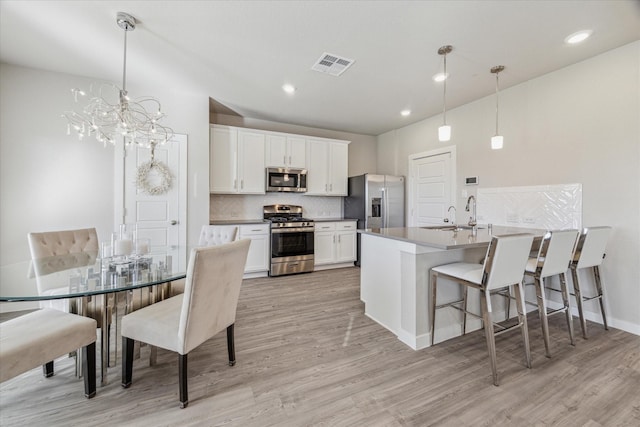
(292, 244)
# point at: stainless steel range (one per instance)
(291, 240)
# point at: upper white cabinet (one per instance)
(237, 161)
(286, 151)
(327, 165)
(239, 156)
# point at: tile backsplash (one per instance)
(232, 206)
(551, 207)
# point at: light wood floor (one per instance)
(307, 355)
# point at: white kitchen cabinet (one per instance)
(236, 161)
(324, 244)
(259, 254)
(327, 165)
(286, 151)
(335, 243)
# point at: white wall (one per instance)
(580, 124)
(49, 180)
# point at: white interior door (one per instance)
(432, 186)
(158, 217)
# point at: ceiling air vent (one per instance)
(332, 64)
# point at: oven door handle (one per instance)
(291, 230)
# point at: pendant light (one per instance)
(497, 140)
(444, 131)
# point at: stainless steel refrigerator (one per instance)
(376, 201)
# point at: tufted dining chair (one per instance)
(55, 251)
(183, 322)
(210, 235)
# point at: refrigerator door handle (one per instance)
(383, 207)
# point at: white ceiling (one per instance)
(240, 53)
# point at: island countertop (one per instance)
(448, 239)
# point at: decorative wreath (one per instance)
(160, 173)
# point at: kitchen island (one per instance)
(395, 277)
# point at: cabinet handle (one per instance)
(330, 187)
(242, 184)
(284, 160)
(334, 238)
(257, 230)
(289, 160)
(325, 187)
(235, 183)
(339, 237)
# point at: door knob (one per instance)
(174, 222)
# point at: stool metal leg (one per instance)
(596, 273)
(567, 306)
(464, 308)
(485, 302)
(579, 301)
(522, 320)
(542, 310)
(432, 306)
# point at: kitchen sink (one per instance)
(452, 227)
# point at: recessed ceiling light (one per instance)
(578, 37)
(405, 113)
(288, 88)
(440, 77)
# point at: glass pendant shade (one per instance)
(444, 133)
(497, 142)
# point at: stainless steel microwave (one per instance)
(286, 180)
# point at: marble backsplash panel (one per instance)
(232, 206)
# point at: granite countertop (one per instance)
(333, 219)
(237, 221)
(447, 239)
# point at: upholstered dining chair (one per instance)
(588, 255)
(54, 251)
(26, 344)
(503, 267)
(210, 235)
(183, 322)
(553, 259)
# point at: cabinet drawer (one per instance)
(325, 226)
(254, 229)
(346, 225)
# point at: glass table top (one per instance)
(85, 274)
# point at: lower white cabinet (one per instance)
(259, 250)
(334, 242)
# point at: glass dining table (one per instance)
(73, 282)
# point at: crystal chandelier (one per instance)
(110, 112)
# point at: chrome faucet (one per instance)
(448, 219)
(472, 219)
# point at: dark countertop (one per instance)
(447, 239)
(237, 221)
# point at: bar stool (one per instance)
(504, 266)
(589, 253)
(553, 259)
